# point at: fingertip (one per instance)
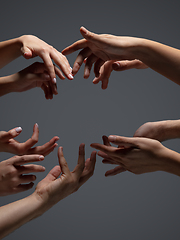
(83, 30)
(41, 158)
(112, 138)
(18, 129)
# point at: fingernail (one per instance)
(54, 80)
(18, 129)
(112, 138)
(37, 125)
(41, 158)
(70, 76)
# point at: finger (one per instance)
(49, 65)
(44, 148)
(45, 89)
(107, 149)
(5, 136)
(27, 178)
(62, 162)
(53, 174)
(90, 36)
(97, 66)
(59, 73)
(104, 84)
(103, 155)
(81, 161)
(32, 141)
(25, 169)
(19, 160)
(23, 187)
(89, 168)
(83, 54)
(90, 163)
(123, 141)
(88, 65)
(128, 64)
(115, 171)
(108, 161)
(75, 46)
(63, 63)
(50, 150)
(106, 140)
(26, 52)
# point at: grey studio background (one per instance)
(126, 206)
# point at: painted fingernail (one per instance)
(112, 138)
(70, 76)
(18, 129)
(54, 80)
(41, 158)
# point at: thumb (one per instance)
(53, 174)
(26, 52)
(89, 35)
(125, 142)
(5, 136)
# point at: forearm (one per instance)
(171, 129)
(15, 214)
(161, 58)
(10, 50)
(171, 162)
(7, 84)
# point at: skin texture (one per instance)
(126, 53)
(58, 184)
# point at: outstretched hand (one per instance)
(137, 155)
(9, 144)
(99, 48)
(60, 182)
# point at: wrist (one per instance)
(7, 84)
(171, 162)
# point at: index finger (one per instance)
(62, 162)
(75, 47)
(19, 160)
(81, 161)
(49, 65)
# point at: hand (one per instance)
(33, 46)
(100, 48)
(14, 175)
(109, 66)
(53, 188)
(161, 130)
(137, 155)
(9, 144)
(36, 75)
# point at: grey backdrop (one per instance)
(126, 206)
